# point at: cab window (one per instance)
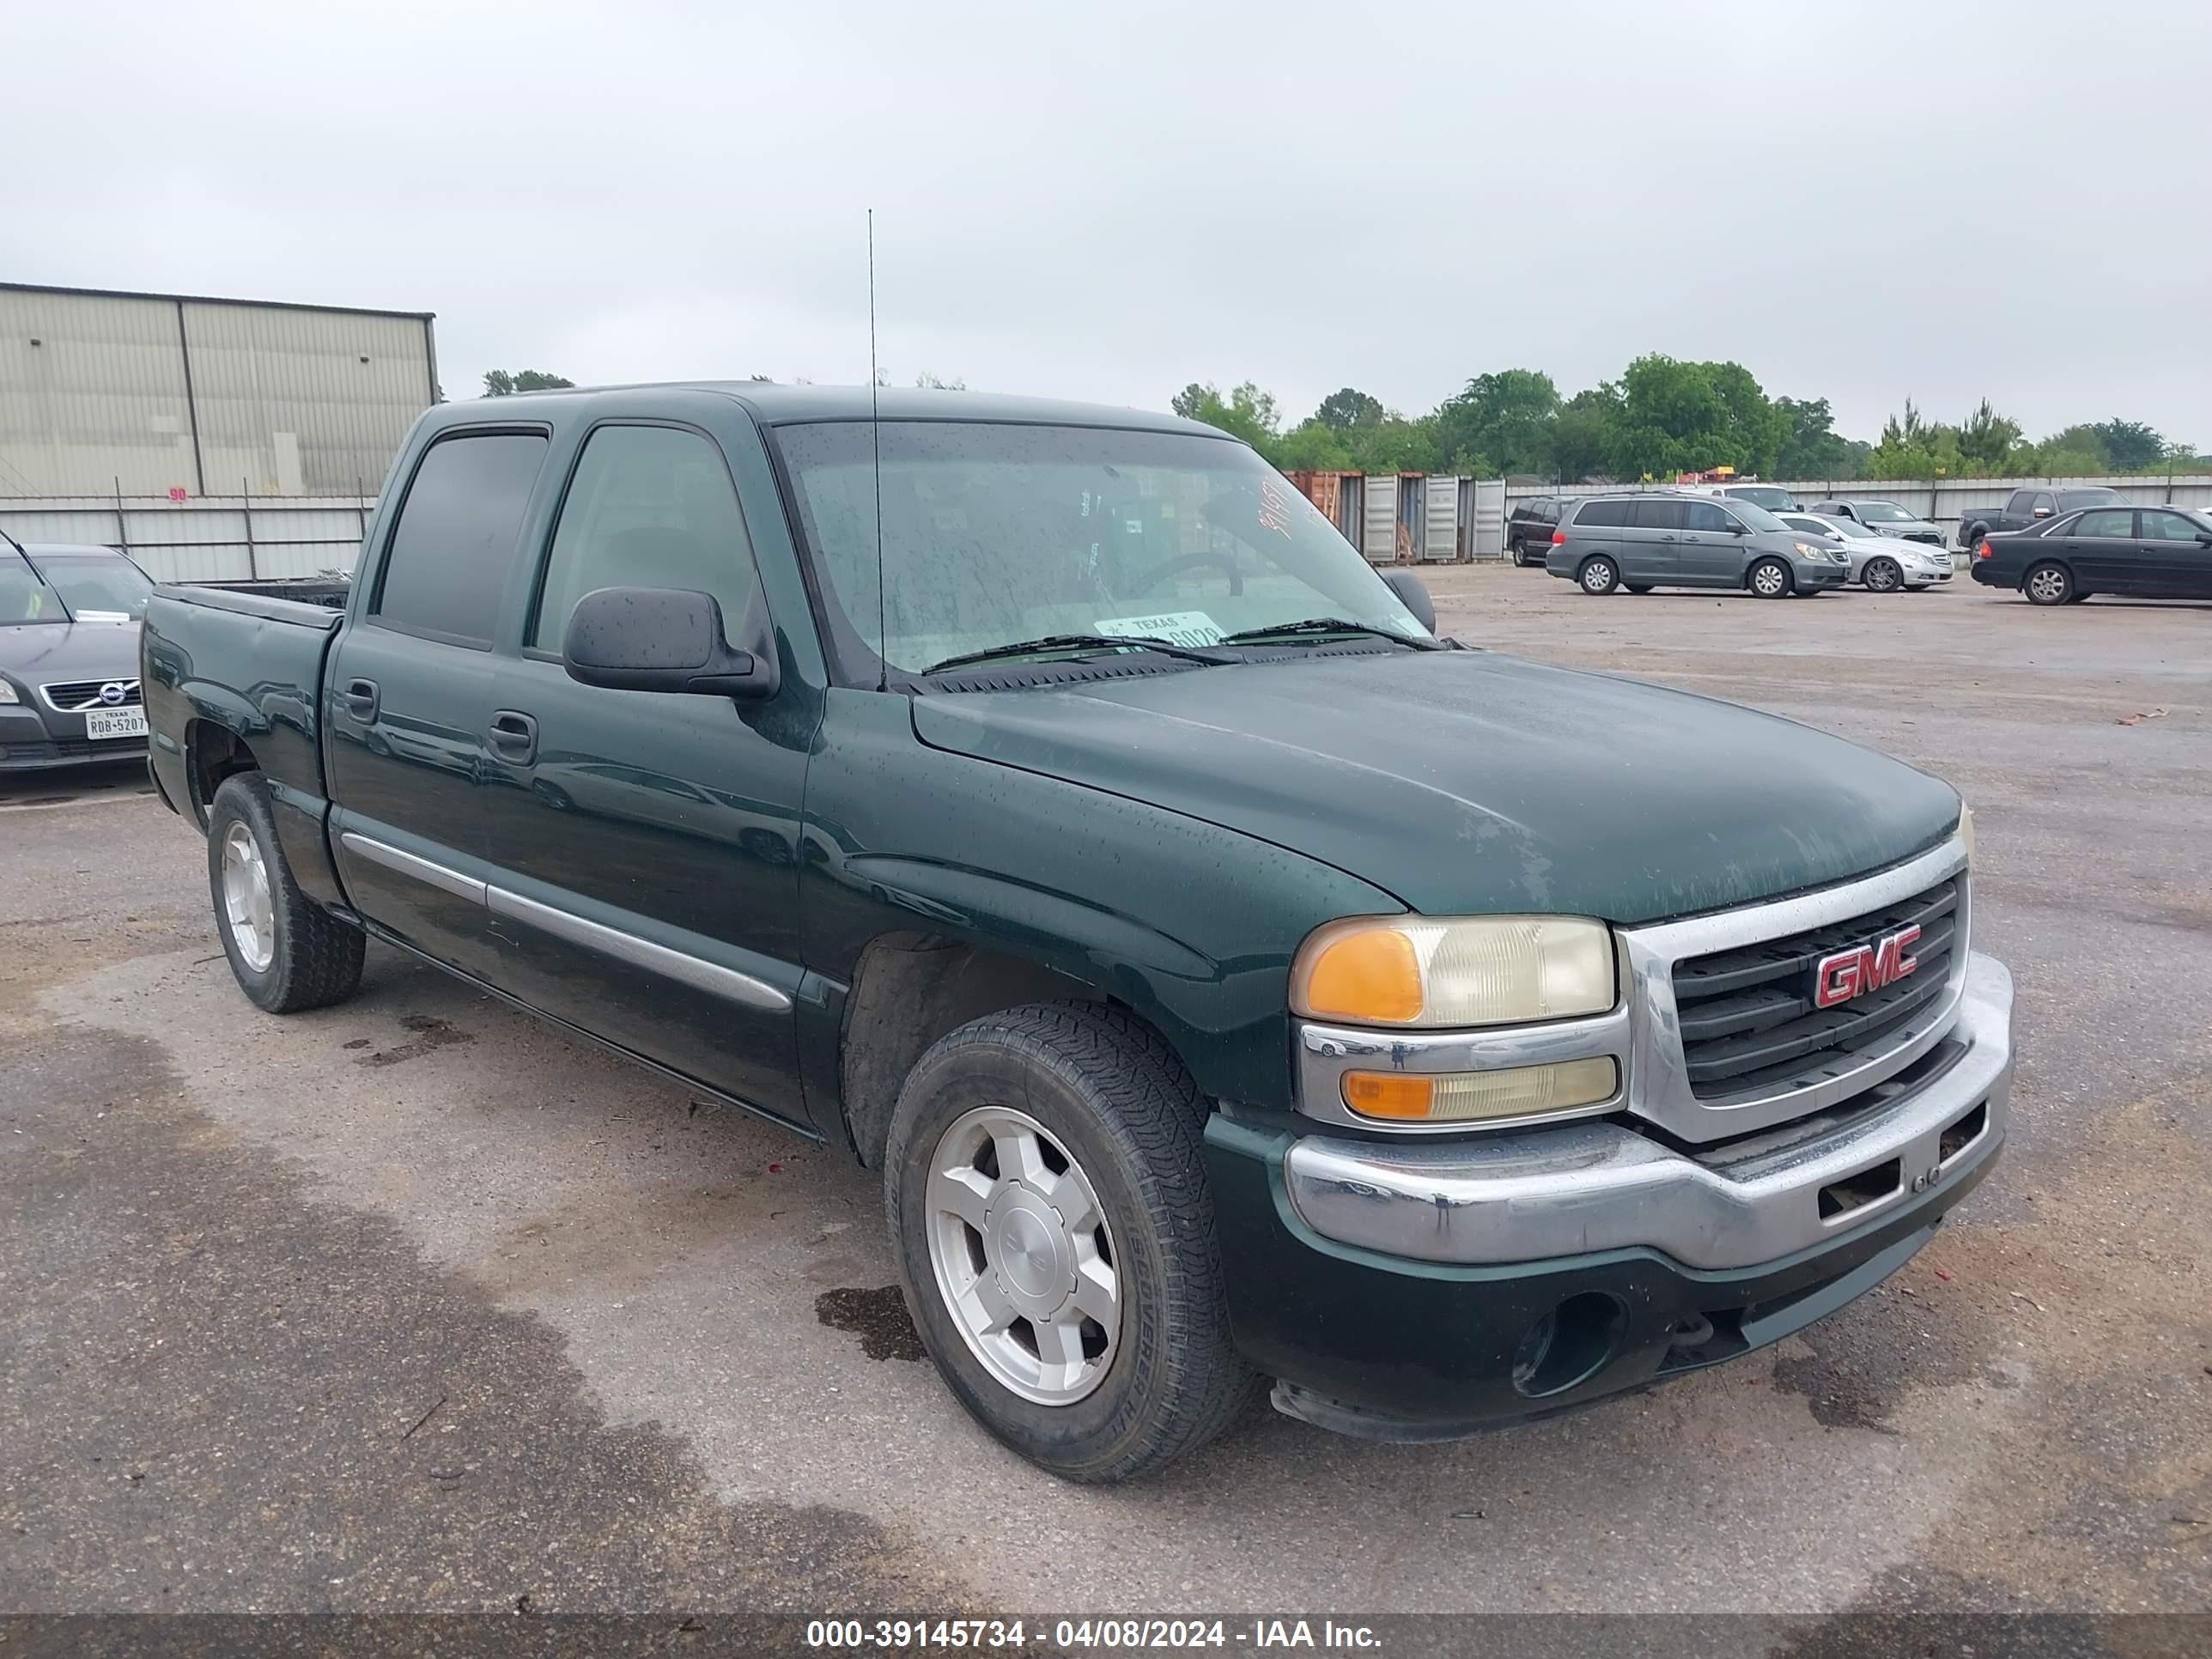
(648, 507)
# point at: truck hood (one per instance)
(1466, 782)
(38, 652)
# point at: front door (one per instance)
(2177, 562)
(1711, 545)
(645, 843)
(407, 687)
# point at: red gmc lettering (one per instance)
(1853, 973)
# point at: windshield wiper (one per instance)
(1322, 625)
(1061, 641)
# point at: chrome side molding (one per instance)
(418, 869)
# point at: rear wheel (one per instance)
(286, 952)
(1770, 580)
(1598, 575)
(1045, 1183)
(1882, 576)
(2048, 584)
(1637, 588)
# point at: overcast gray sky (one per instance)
(1107, 201)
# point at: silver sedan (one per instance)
(1880, 563)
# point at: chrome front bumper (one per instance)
(1579, 1187)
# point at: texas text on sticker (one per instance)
(1175, 627)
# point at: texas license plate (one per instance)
(114, 723)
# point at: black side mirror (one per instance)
(2204, 538)
(1413, 593)
(666, 639)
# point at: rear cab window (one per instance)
(447, 560)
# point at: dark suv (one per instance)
(1529, 527)
(1664, 540)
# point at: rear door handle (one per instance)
(360, 700)
(514, 737)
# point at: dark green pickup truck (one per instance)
(1045, 805)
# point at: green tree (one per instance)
(1394, 444)
(1989, 442)
(1504, 416)
(500, 382)
(1343, 409)
(1312, 445)
(1672, 419)
(2130, 446)
(1811, 448)
(1581, 435)
(1247, 412)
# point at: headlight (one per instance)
(1480, 1096)
(1485, 971)
(1807, 550)
(1967, 830)
(8, 693)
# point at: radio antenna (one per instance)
(876, 442)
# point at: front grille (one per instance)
(75, 697)
(1747, 1017)
(1933, 537)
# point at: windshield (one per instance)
(1802, 521)
(1755, 515)
(1882, 513)
(97, 588)
(24, 597)
(1853, 527)
(1773, 497)
(996, 534)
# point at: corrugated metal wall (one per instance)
(138, 395)
(205, 539)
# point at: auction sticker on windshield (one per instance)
(1175, 627)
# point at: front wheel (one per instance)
(1637, 588)
(1770, 579)
(1598, 575)
(1045, 1184)
(1882, 576)
(2049, 584)
(286, 952)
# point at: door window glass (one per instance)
(649, 506)
(1661, 515)
(2113, 521)
(1704, 515)
(1603, 515)
(2170, 527)
(454, 543)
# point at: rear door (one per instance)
(2100, 544)
(2176, 562)
(648, 886)
(409, 686)
(1651, 549)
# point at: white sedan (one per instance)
(1880, 563)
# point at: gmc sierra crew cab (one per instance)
(1046, 806)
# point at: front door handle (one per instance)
(514, 737)
(360, 700)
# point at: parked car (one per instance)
(1082, 871)
(1529, 527)
(2032, 506)
(1669, 539)
(1773, 497)
(1884, 517)
(68, 655)
(1880, 563)
(2153, 552)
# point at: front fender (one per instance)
(1192, 925)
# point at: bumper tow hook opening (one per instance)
(1569, 1344)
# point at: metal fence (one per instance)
(205, 538)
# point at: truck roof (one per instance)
(774, 404)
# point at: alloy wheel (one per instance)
(1023, 1257)
(246, 904)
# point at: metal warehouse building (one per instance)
(119, 394)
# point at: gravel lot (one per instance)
(410, 1304)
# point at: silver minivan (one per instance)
(1667, 540)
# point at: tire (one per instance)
(287, 952)
(1104, 1093)
(1597, 575)
(2048, 583)
(1770, 579)
(1882, 576)
(1637, 588)
(1970, 536)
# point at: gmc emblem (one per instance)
(1865, 967)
